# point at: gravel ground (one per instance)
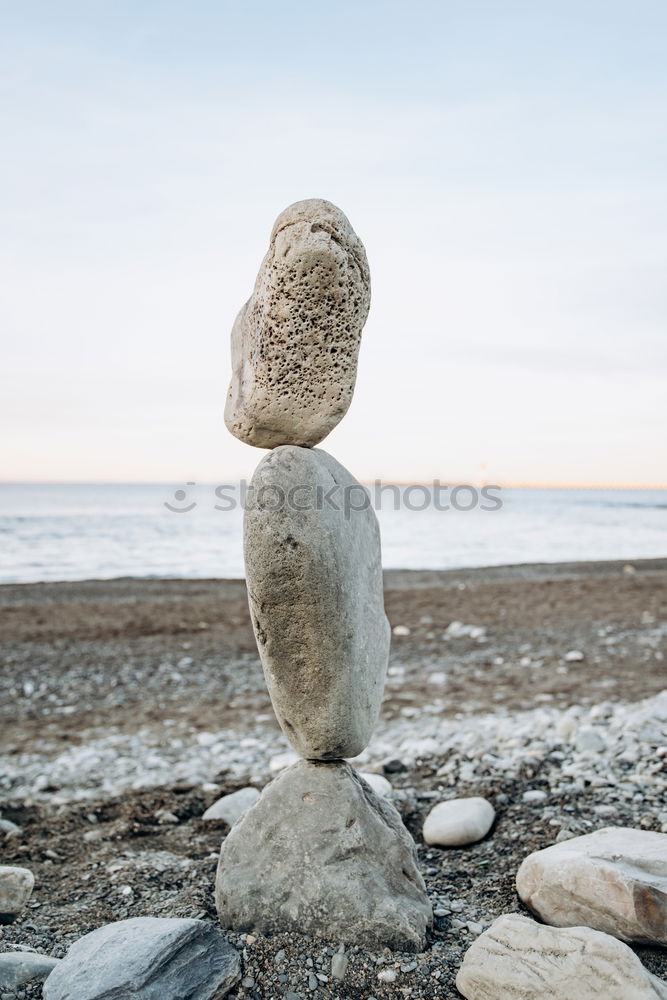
(129, 706)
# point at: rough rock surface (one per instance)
(518, 959)
(15, 889)
(19, 967)
(320, 853)
(295, 342)
(614, 880)
(315, 591)
(148, 958)
(230, 807)
(459, 821)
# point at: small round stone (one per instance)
(458, 821)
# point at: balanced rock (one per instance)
(15, 889)
(518, 959)
(147, 958)
(458, 821)
(231, 806)
(19, 967)
(295, 342)
(614, 880)
(312, 556)
(322, 854)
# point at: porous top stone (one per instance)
(458, 821)
(518, 959)
(314, 575)
(15, 888)
(147, 958)
(322, 854)
(614, 880)
(295, 342)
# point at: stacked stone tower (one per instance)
(320, 852)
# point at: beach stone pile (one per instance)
(320, 852)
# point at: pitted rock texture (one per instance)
(147, 958)
(322, 854)
(295, 342)
(614, 880)
(314, 580)
(518, 959)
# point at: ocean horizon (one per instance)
(74, 531)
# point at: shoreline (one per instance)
(500, 571)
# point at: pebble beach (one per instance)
(130, 706)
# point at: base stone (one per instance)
(321, 854)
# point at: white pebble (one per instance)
(378, 783)
(458, 821)
(534, 795)
(387, 976)
(230, 807)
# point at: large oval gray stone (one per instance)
(315, 591)
(322, 854)
(147, 958)
(295, 342)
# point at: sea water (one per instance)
(76, 532)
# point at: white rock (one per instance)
(573, 656)
(401, 630)
(230, 807)
(282, 760)
(566, 727)
(378, 783)
(534, 795)
(518, 959)
(590, 740)
(458, 821)
(8, 828)
(295, 342)
(457, 630)
(614, 880)
(15, 889)
(387, 976)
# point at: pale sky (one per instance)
(504, 164)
